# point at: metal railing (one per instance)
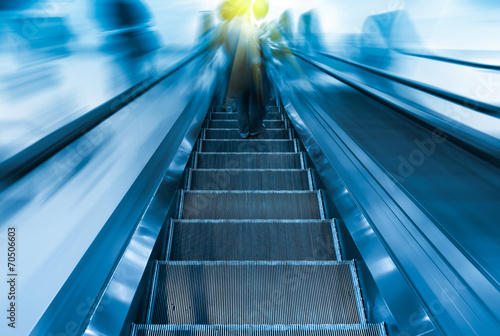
(17, 166)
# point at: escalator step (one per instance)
(275, 146)
(251, 205)
(234, 123)
(239, 179)
(249, 160)
(251, 240)
(255, 292)
(216, 133)
(234, 116)
(259, 330)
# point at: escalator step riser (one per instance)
(234, 124)
(251, 205)
(254, 293)
(247, 146)
(281, 134)
(234, 116)
(250, 180)
(259, 330)
(252, 240)
(273, 109)
(249, 161)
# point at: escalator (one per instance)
(252, 250)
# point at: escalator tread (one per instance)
(254, 292)
(203, 204)
(252, 251)
(248, 146)
(250, 179)
(252, 240)
(259, 330)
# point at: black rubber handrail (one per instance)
(20, 164)
(451, 97)
(485, 151)
(450, 60)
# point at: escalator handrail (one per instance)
(337, 156)
(450, 60)
(473, 104)
(118, 258)
(20, 164)
(483, 148)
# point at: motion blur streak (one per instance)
(62, 58)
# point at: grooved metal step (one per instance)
(249, 179)
(251, 205)
(273, 109)
(242, 146)
(234, 123)
(220, 133)
(252, 252)
(249, 160)
(259, 330)
(251, 240)
(234, 116)
(255, 292)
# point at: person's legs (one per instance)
(243, 112)
(257, 112)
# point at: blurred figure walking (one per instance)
(240, 38)
(129, 36)
(310, 32)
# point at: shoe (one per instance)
(230, 105)
(244, 135)
(262, 130)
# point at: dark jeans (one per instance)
(251, 111)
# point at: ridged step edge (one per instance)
(237, 113)
(333, 225)
(266, 122)
(284, 130)
(220, 108)
(211, 192)
(200, 142)
(204, 133)
(257, 263)
(380, 327)
(308, 170)
(234, 116)
(350, 263)
(198, 153)
(190, 174)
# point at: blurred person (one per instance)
(260, 8)
(240, 40)
(285, 25)
(309, 31)
(207, 26)
(384, 36)
(129, 36)
(276, 40)
(34, 37)
(35, 32)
